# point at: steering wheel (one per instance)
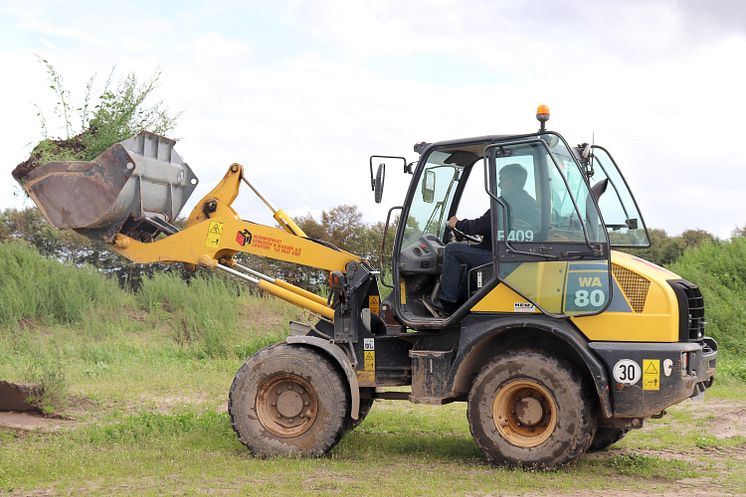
(458, 233)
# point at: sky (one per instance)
(302, 93)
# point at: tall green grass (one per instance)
(37, 289)
(73, 330)
(40, 293)
(206, 313)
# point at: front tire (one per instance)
(530, 409)
(288, 400)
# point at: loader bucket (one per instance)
(139, 179)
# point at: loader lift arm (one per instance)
(214, 233)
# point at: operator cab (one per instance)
(557, 259)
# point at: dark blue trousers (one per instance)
(452, 281)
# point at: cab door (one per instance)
(622, 217)
(551, 246)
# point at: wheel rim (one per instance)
(525, 413)
(287, 405)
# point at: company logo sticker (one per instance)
(243, 237)
(667, 367)
(523, 307)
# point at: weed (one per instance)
(706, 441)
(48, 372)
(648, 467)
(119, 112)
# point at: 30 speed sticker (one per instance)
(627, 372)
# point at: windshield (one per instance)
(432, 199)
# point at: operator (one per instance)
(523, 210)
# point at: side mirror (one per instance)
(378, 184)
(428, 187)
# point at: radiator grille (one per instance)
(634, 286)
(691, 308)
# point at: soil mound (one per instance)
(73, 148)
(18, 396)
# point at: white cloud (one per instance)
(304, 100)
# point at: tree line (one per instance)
(342, 226)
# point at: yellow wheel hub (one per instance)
(525, 413)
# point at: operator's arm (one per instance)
(479, 226)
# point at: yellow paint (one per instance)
(541, 282)
(287, 223)
(403, 292)
(222, 195)
(366, 378)
(273, 243)
(500, 299)
(300, 291)
(210, 235)
(658, 323)
(651, 374)
(214, 233)
(296, 299)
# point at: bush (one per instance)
(119, 112)
(719, 269)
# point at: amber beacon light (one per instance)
(542, 114)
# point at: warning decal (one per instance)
(651, 374)
(368, 374)
(214, 232)
(370, 360)
(374, 303)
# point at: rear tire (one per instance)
(606, 437)
(288, 400)
(530, 409)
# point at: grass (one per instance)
(146, 377)
(195, 451)
(66, 295)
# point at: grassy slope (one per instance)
(154, 370)
(719, 269)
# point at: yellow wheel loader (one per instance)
(557, 343)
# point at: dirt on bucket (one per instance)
(73, 148)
